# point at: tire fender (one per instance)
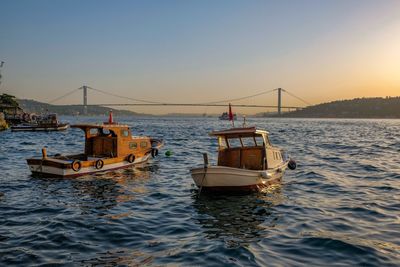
(76, 165)
(130, 158)
(99, 164)
(154, 152)
(292, 164)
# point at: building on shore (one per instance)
(10, 108)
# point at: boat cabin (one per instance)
(246, 148)
(48, 119)
(112, 140)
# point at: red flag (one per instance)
(230, 113)
(110, 118)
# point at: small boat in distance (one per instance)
(48, 122)
(247, 161)
(225, 116)
(108, 146)
(228, 115)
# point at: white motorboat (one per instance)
(48, 122)
(246, 162)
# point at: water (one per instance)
(340, 207)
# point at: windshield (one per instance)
(252, 141)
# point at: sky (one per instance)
(200, 51)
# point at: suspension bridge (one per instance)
(221, 103)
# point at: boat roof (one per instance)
(239, 132)
(99, 126)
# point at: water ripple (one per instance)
(340, 207)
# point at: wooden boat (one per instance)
(247, 161)
(108, 146)
(47, 122)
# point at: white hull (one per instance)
(58, 172)
(220, 177)
(34, 128)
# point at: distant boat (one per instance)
(48, 122)
(225, 116)
(108, 146)
(246, 162)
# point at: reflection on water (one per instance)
(120, 258)
(237, 219)
(101, 191)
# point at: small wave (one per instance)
(346, 182)
(366, 250)
(27, 143)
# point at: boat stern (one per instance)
(50, 167)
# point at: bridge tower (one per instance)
(84, 88)
(279, 101)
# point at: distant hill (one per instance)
(33, 106)
(378, 107)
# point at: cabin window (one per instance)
(143, 144)
(132, 145)
(267, 140)
(108, 132)
(248, 141)
(94, 131)
(259, 140)
(277, 155)
(125, 133)
(234, 142)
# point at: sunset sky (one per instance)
(200, 51)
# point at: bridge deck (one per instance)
(192, 105)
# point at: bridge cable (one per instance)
(65, 95)
(161, 103)
(302, 100)
(124, 97)
(240, 98)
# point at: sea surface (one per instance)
(340, 207)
